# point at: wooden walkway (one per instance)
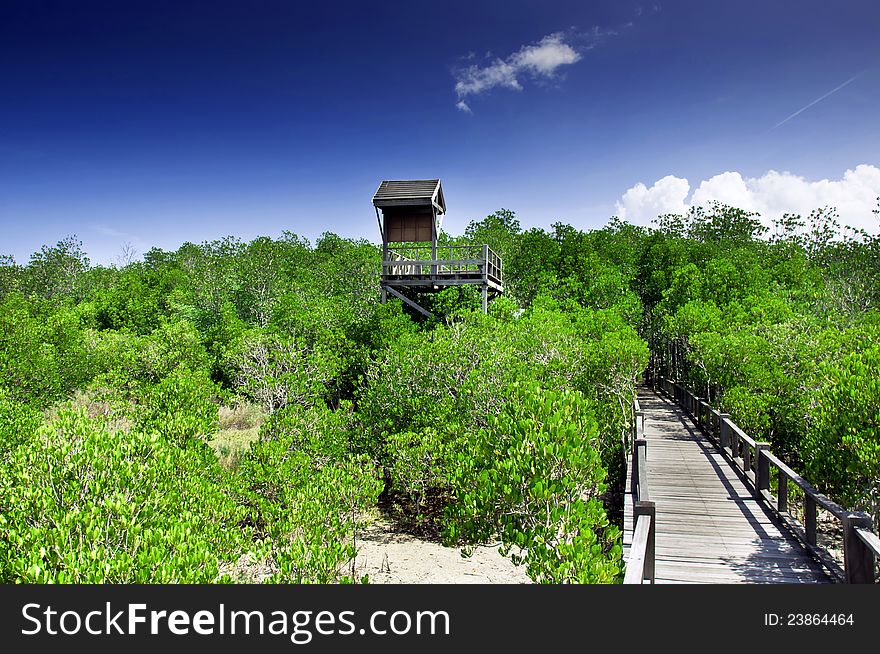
(709, 528)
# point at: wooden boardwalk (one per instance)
(709, 528)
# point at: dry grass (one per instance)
(96, 405)
(239, 426)
(247, 570)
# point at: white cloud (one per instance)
(773, 194)
(642, 204)
(546, 56)
(541, 59)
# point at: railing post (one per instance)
(634, 480)
(698, 410)
(723, 429)
(648, 509)
(858, 559)
(781, 492)
(640, 454)
(734, 443)
(747, 457)
(810, 518)
(762, 469)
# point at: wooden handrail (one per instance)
(640, 565)
(753, 459)
(635, 566)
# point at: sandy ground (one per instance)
(389, 557)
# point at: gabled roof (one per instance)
(413, 192)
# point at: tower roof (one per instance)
(413, 192)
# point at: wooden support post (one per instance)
(734, 444)
(762, 469)
(781, 492)
(485, 295)
(858, 558)
(810, 518)
(724, 429)
(384, 295)
(639, 469)
(747, 457)
(433, 241)
(648, 509)
(634, 479)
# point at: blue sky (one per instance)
(159, 122)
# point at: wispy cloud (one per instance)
(537, 60)
(817, 100)
(541, 59)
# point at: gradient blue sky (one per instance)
(159, 122)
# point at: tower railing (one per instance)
(450, 260)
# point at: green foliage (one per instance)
(83, 504)
(43, 353)
(56, 272)
(133, 302)
(309, 495)
(433, 403)
(533, 476)
(843, 445)
(180, 407)
(19, 423)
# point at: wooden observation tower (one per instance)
(412, 261)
